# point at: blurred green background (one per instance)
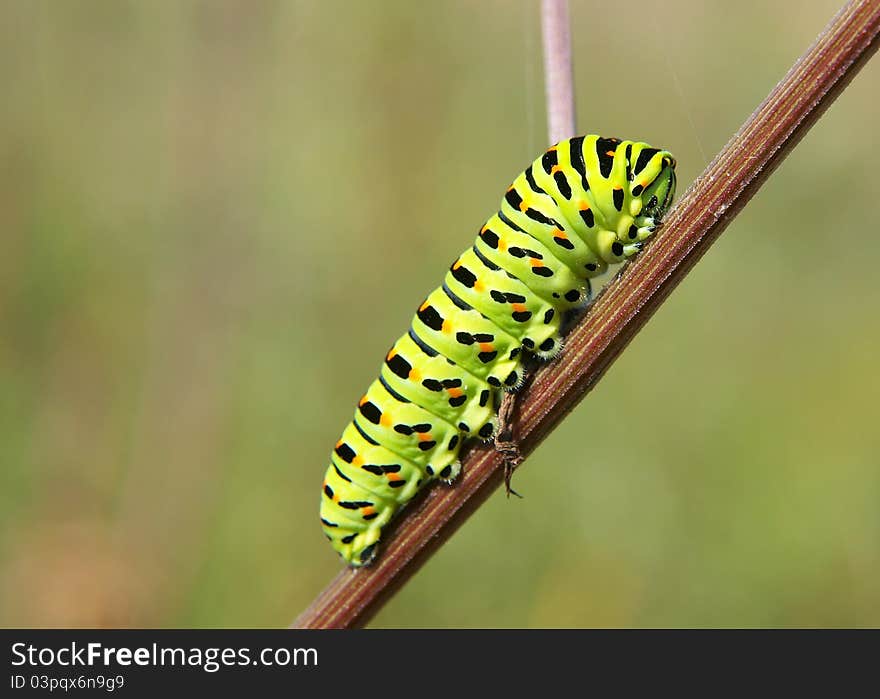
(216, 216)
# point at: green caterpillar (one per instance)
(585, 203)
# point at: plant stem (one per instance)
(558, 78)
(623, 308)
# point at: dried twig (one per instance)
(701, 215)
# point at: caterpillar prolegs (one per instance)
(584, 204)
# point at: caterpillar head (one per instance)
(650, 198)
(657, 196)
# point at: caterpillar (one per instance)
(585, 203)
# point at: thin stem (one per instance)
(703, 212)
(558, 78)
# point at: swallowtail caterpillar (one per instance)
(584, 204)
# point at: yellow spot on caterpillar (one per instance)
(362, 401)
(385, 420)
(358, 461)
(457, 264)
(609, 152)
(393, 477)
(555, 169)
(446, 327)
(423, 306)
(486, 347)
(479, 286)
(415, 375)
(584, 206)
(502, 246)
(391, 355)
(454, 392)
(537, 263)
(519, 308)
(425, 437)
(523, 206)
(367, 511)
(561, 234)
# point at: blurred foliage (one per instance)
(216, 216)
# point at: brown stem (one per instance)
(701, 215)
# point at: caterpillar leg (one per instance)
(453, 472)
(358, 548)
